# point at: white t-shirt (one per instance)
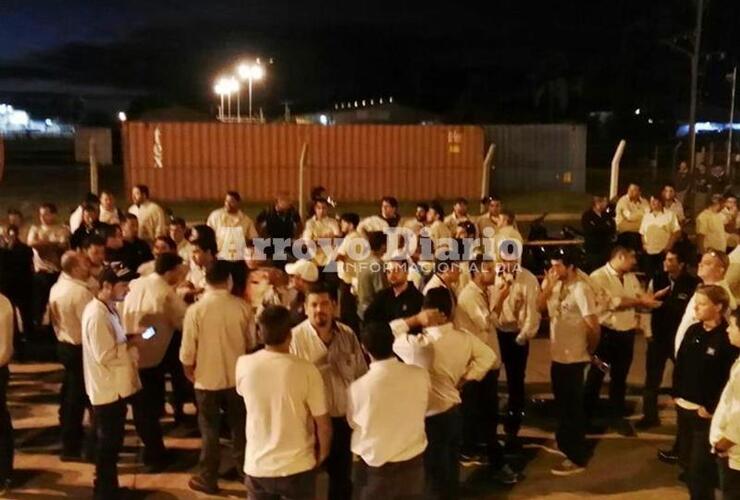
(568, 332)
(657, 228)
(282, 394)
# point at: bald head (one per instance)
(75, 265)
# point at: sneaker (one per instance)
(505, 475)
(567, 468)
(646, 423)
(197, 483)
(668, 456)
(471, 459)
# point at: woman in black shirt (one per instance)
(702, 368)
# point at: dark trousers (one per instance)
(393, 480)
(147, 406)
(7, 447)
(444, 436)
(110, 420)
(339, 461)
(73, 398)
(348, 307)
(695, 452)
(239, 274)
(301, 486)
(567, 388)
(42, 283)
(209, 422)
(514, 357)
(729, 480)
(480, 417)
(659, 351)
(182, 388)
(617, 349)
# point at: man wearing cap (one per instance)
(111, 377)
(302, 274)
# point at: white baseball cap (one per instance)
(306, 269)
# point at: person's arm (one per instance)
(323, 436)
(176, 309)
(103, 344)
(548, 285)
(316, 402)
(482, 359)
(531, 323)
(6, 330)
(701, 231)
(675, 229)
(593, 332)
(189, 344)
(415, 349)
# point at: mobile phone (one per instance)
(149, 333)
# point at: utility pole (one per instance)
(732, 119)
(695, 83)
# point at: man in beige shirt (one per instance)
(629, 212)
(334, 349)
(459, 214)
(321, 226)
(67, 301)
(217, 331)
(152, 219)
(710, 227)
(230, 223)
(489, 221)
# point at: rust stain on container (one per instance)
(354, 162)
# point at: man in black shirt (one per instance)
(90, 225)
(400, 300)
(677, 287)
(281, 220)
(599, 229)
(135, 251)
(16, 279)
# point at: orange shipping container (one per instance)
(200, 161)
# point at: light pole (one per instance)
(251, 73)
(732, 118)
(220, 90)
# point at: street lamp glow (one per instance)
(637, 112)
(122, 116)
(254, 72)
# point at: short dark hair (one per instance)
(218, 273)
(111, 230)
(206, 244)
(320, 288)
(92, 241)
(658, 196)
(350, 218)
(129, 216)
(49, 206)
(469, 228)
(439, 298)
(143, 188)
(168, 241)
(275, 325)
(437, 207)
(568, 257)
(204, 232)
(620, 250)
(680, 255)
(166, 262)
(669, 184)
(377, 339)
(376, 239)
(392, 201)
(92, 198)
(423, 205)
(15, 211)
(178, 221)
(461, 201)
(89, 207)
(490, 198)
(235, 195)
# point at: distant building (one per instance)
(375, 113)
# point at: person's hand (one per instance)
(703, 413)
(430, 317)
(521, 339)
(649, 301)
(551, 279)
(723, 446)
(662, 293)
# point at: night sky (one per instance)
(506, 60)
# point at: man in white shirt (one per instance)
(452, 357)
(710, 227)
(672, 203)
(178, 229)
(76, 218)
(446, 275)
(348, 268)
(629, 213)
(161, 245)
(459, 214)
(321, 226)
(659, 230)
(153, 302)
(288, 428)
(152, 219)
(203, 256)
(6, 426)
(371, 275)
(334, 349)
(217, 330)
(109, 212)
(619, 295)
(419, 220)
(111, 378)
(488, 222)
(574, 335)
(386, 409)
(67, 301)
(436, 230)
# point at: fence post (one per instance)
(486, 175)
(93, 167)
(614, 181)
(301, 167)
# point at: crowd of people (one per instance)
(329, 337)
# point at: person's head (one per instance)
(713, 266)
(275, 327)
(48, 214)
(483, 271)
(668, 193)
(93, 247)
(377, 241)
(701, 168)
(204, 252)
(319, 193)
(130, 227)
(89, 214)
(348, 222)
(140, 194)
(715, 203)
(656, 203)
(564, 264)
(114, 282)
(448, 270)
(202, 232)
(319, 305)
(674, 262)
(75, 265)
(321, 208)
(599, 203)
(710, 303)
(396, 272)
(731, 202)
(389, 207)
(107, 200)
(282, 202)
(460, 207)
(377, 340)
(177, 229)
(15, 217)
(633, 191)
(494, 205)
(733, 328)
(218, 275)
(507, 218)
(302, 274)
(162, 245)
(435, 212)
(169, 266)
(439, 299)
(421, 212)
(114, 237)
(622, 259)
(465, 229)
(683, 167)
(232, 200)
